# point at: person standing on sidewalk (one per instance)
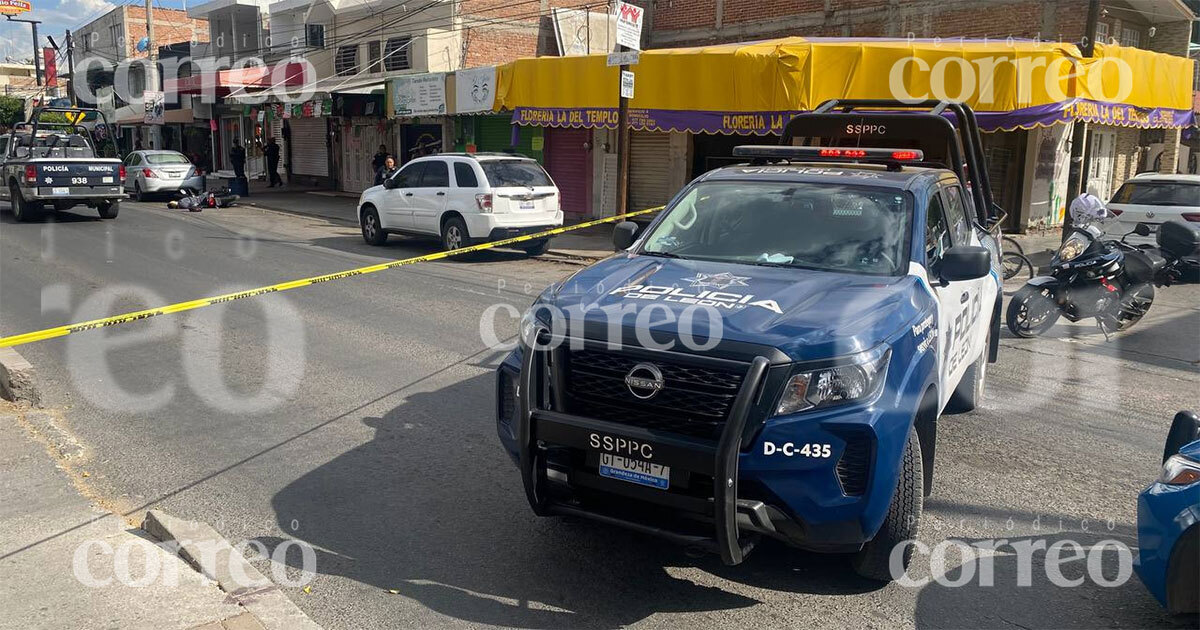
(271, 151)
(381, 156)
(387, 170)
(237, 157)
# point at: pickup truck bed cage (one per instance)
(950, 142)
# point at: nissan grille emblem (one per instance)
(644, 381)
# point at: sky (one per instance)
(16, 41)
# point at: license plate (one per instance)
(525, 205)
(60, 190)
(635, 471)
(106, 180)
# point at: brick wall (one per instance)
(498, 31)
(695, 22)
(170, 26)
(1125, 164)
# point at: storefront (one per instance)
(309, 148)
(568, 154)
(360, 138)
(692, 105)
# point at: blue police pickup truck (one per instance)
(771, 355)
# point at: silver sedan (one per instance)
(151, 172)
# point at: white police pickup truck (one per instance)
(850, 295)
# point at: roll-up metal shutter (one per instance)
(649, 169)
(570, 166)
(494, 133)
(310, 147)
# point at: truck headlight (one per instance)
(1179, 471)
(855, 378)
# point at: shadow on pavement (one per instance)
(432, 508)
(1039, 601)
(399, 247)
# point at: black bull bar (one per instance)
(534, 423)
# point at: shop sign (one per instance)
(419, 95)
(475, 90)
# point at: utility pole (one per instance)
(152, 72)
(1077, 172)
(37, 63)
(622, 143)
(71, 68)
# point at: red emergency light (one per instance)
(777, 152)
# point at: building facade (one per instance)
(1029, 167)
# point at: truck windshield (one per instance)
(815, 226)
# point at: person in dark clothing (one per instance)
(237, 157)
(271, 151)
(381, 156)
(387, 170)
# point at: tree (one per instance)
(12, 111)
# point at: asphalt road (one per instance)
(357, 416)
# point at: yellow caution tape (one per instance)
(60, 331)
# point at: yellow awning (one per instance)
(796, 74)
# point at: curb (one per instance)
(197, 541)
(298, 213)
(18, 381)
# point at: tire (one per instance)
(108, 209)
(138, 195)
(968, 394)
(902, 521)
(538, 247)
(1008, 241)
(372, 229)
(23, 211)
(455, 234)
(1011, 263)
(1134, 305)
(1031, 312)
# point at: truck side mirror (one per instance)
(624, 234)
(1185, 429)
(965, 262)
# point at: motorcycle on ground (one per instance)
(1111, 281)
(195, 201)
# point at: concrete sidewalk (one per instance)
(60, 559)
(587, 244)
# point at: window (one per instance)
(1130, 37)
(3, 146)
(396, 54)
(134, 159)
(373, 57)
(845, 228)
(937, 234)
(116, 32)
(1158, 193)
(436, 175)
(464, 175)
(521, 173)
(166, 158)
(957, 213)
(410, 176)
(346, 61)
(1102, 32)
(314, 35)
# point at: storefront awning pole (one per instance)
(1077, 170)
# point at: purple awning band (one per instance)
(772, 123)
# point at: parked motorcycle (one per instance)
(1111, 281)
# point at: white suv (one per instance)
(463, 198)
(1153, 198)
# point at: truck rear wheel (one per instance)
(874, 560)
(108, 209)
(23, 211)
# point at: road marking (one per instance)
(179, 307)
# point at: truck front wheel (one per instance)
(23, 211)
(899, 528)
(108, 209)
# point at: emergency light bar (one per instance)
(777, 152)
